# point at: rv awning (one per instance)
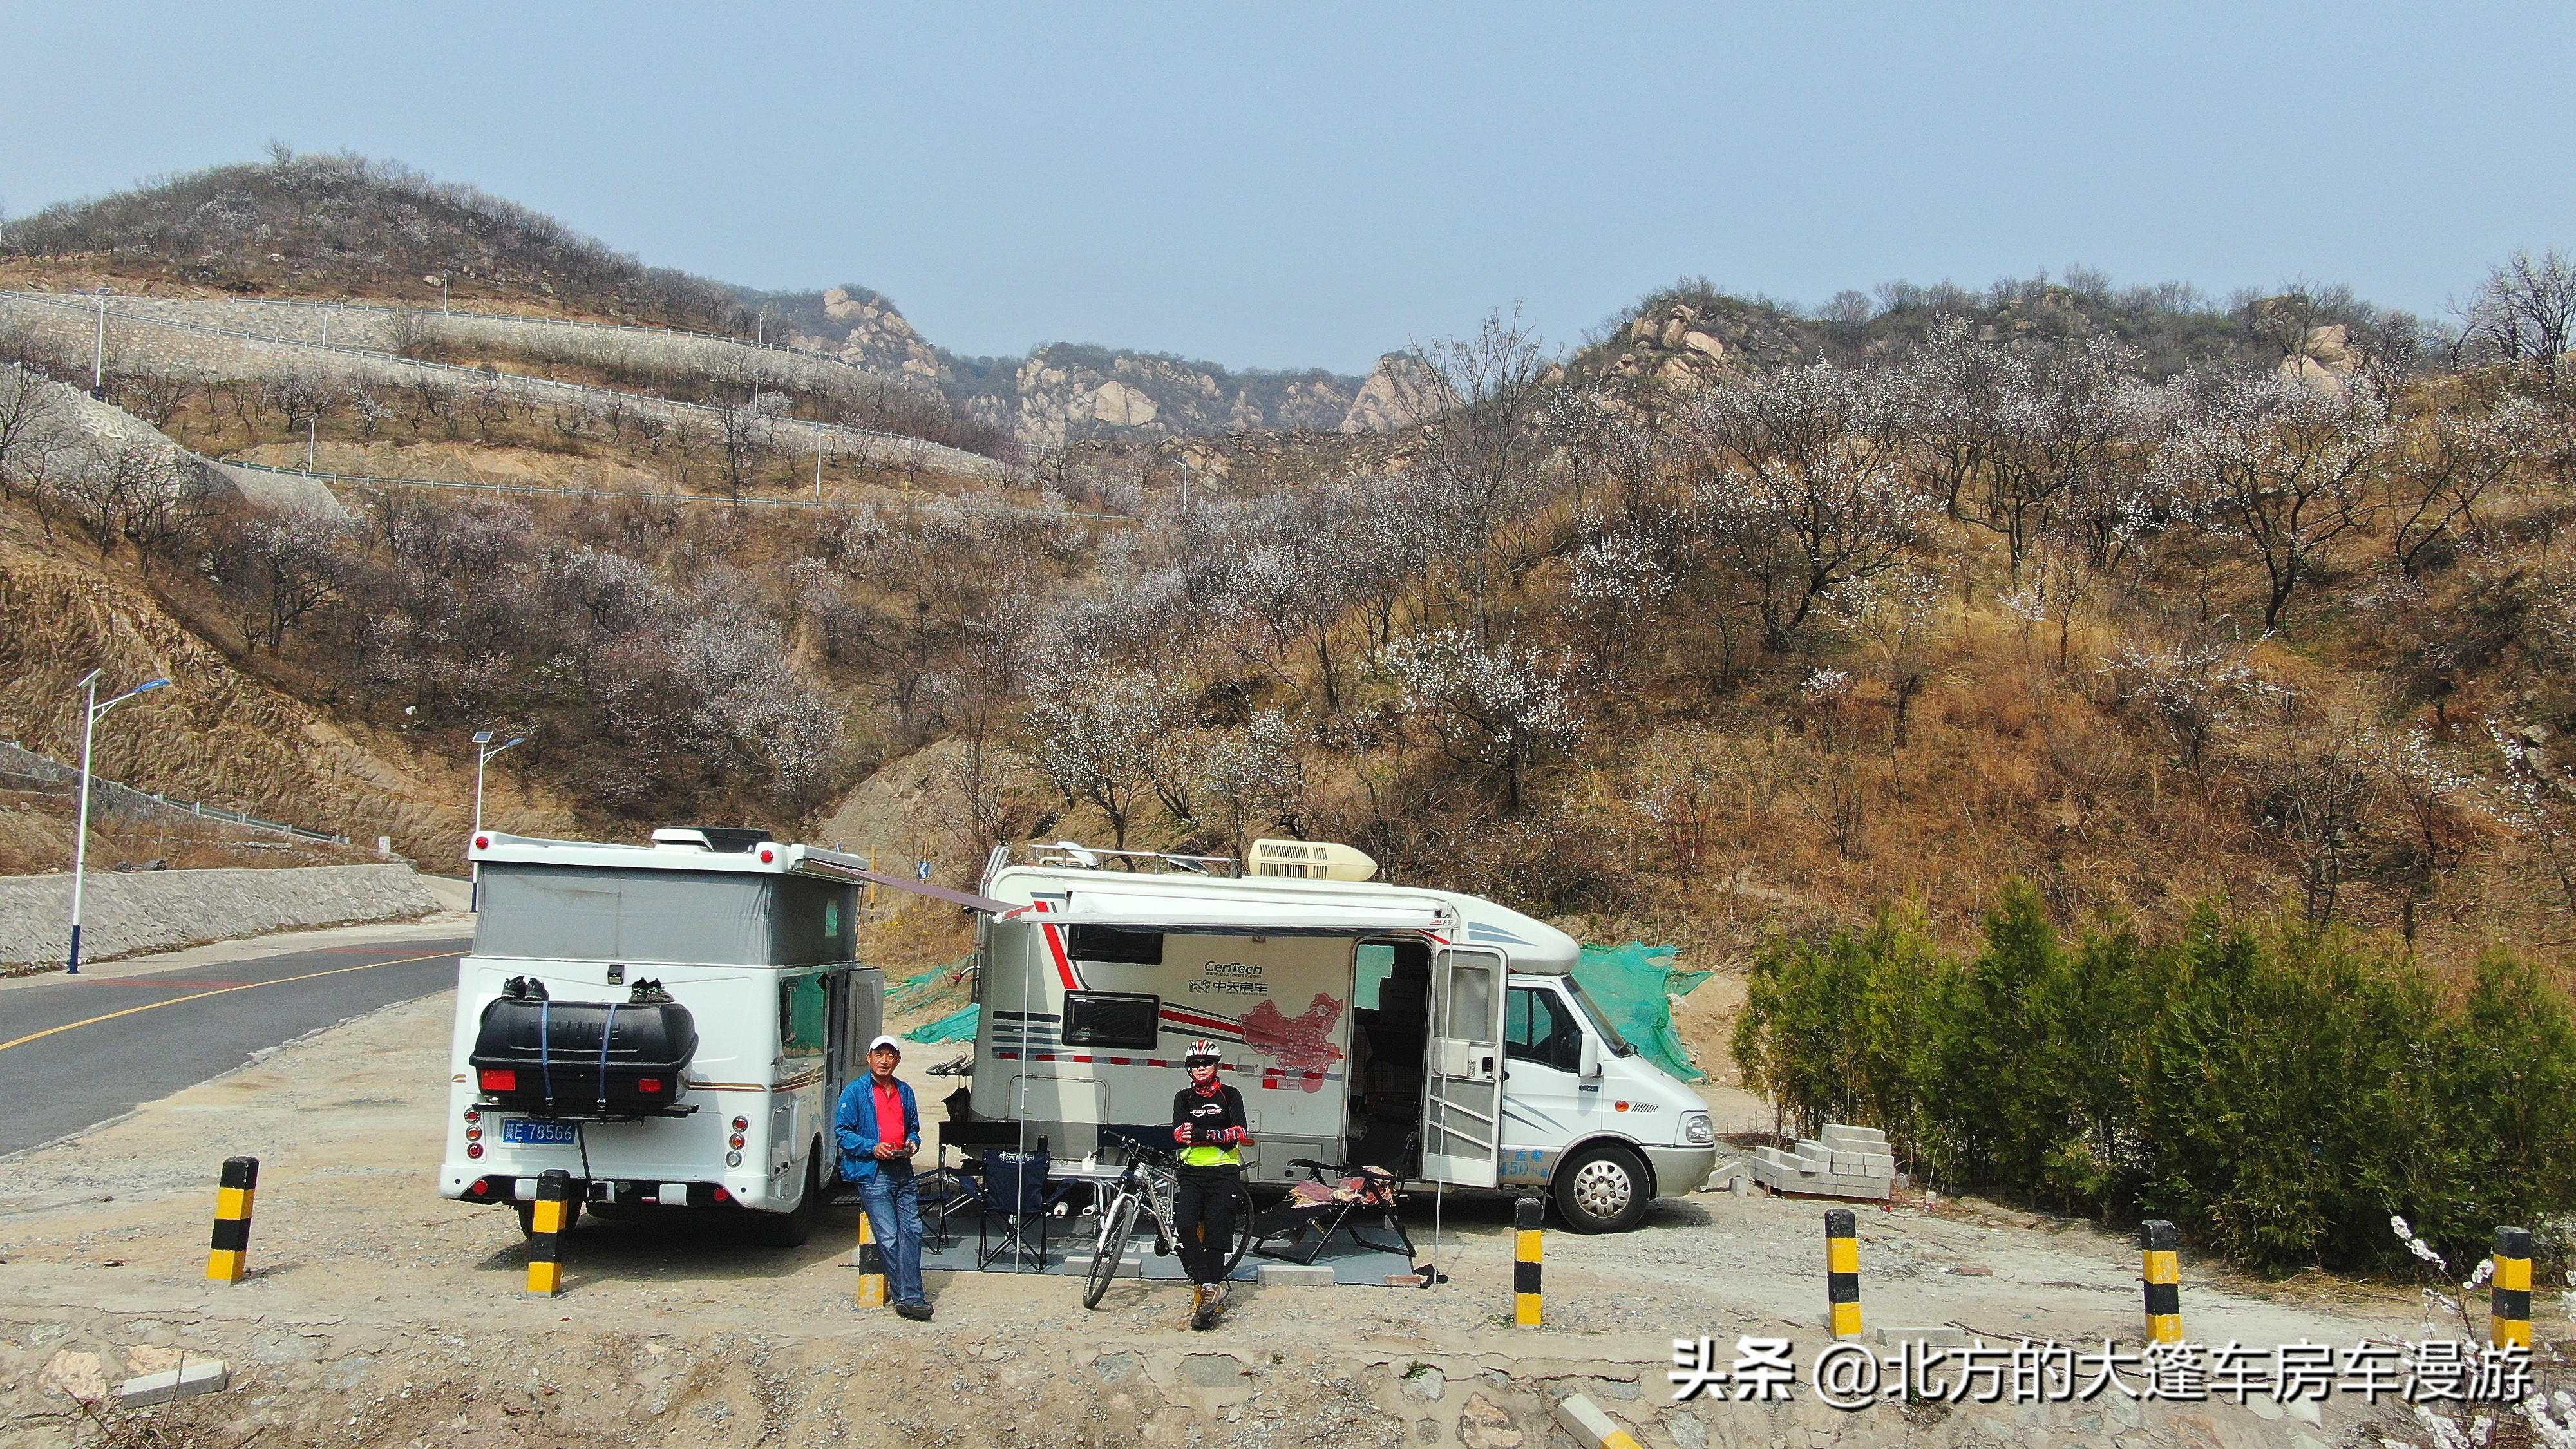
(1183, 915)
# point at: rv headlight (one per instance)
(1697, 1131)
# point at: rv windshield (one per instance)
(1600, 1019)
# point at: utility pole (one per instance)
(308, 440)
(91, 709)
(818, 462)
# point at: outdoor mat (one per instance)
(1068, 1251)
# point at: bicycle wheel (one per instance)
(1109, 1249)
(1242, 1227)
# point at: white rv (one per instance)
(1360, 1020)
(669, 1024)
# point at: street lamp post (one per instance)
(90, 712)
(483, 739)
(98, 352)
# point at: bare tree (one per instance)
(282, 567)
(1482, 450)
(32, 417)
(2525, 311)
(1502, 708)
(1253, 774)
(2454, 458)
(1093, 732)
(1805, 489)
(2282, 465)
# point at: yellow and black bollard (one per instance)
(229, 1260)
(872, 1274)
(2163, 1251)
(1842, 1271)
(2509, 1300)
(1528, 1304)
(545, 1232)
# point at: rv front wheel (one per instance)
(1602, 1189)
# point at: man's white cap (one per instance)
(885, 1041)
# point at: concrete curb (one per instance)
(1582, 1418)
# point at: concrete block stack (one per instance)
(1840, 1161)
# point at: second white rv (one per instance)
(1362, 1021)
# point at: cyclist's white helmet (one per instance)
(1201, 1050)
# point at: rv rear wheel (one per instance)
(790, 1229)
(1602, 1189)
(528, 1216)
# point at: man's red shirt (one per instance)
(889, 1112)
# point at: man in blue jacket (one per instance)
(879, 1129)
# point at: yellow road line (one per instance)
(224, 991)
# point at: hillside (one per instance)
(1735, 619)
(343, 226)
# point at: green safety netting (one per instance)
(1635, 985)
(913, 990)
(955, 1026)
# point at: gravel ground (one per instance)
(378, 1313)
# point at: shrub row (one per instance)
(2279, 1097)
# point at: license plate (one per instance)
(536, 1134)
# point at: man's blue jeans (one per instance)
(893, 1198)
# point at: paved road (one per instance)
(75, 1052)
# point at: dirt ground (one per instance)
(379, 1314)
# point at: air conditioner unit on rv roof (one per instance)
(1310, 860)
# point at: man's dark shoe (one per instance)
(917, 1312)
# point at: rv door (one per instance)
(1462, 1094)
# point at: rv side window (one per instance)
(804, 1015)
(1113, 1019)
(1539, 1027)
(1109, 943)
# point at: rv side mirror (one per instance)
(1589, 1064)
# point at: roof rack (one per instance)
(1066, 853)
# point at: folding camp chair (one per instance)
(947, 1191)
(1335, 1198)
(1017, 1199)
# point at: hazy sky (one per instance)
(1311, 185)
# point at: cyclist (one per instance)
(1209, 1125)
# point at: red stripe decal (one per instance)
(1055, 947)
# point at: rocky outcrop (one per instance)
(1064, 394)
(1399, 393)
(1683, 343)
(873, 335)
(2327, 359)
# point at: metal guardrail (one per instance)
(69, 778)
(957, 459)
(929, 500)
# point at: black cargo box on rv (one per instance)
(583, 1058)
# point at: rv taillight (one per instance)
(648, 1084)
(723, 1196)
(767, 856)
(479, 1188)
(500, 1079)
(741, 1124)
(473, 1149)
(482, 842)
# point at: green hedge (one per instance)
(2279, 1099)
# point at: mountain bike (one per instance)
(1147, 1187)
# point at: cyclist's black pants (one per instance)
(1206, 1199)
